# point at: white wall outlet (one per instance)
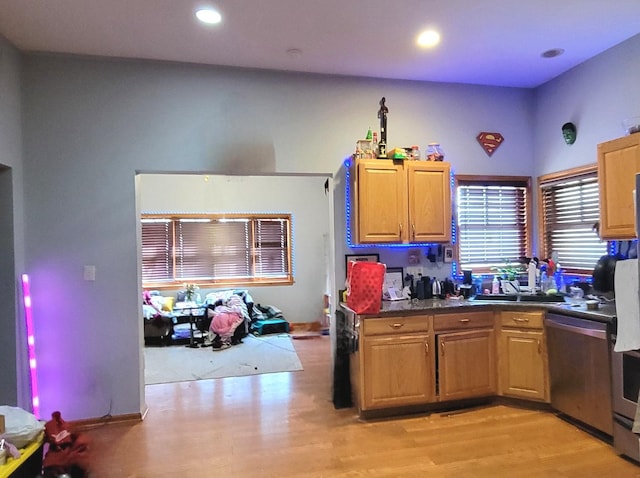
(89, 272)
(415, 271)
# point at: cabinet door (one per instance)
(381, 201)
(397, 371)
(466, 364)
(523, 368)
(429, 196)
(618, 163)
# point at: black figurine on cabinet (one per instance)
(382, 114)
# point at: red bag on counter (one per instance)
(364, 286)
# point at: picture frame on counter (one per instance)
(394, 277)
(360, 258)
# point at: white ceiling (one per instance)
(490, 42)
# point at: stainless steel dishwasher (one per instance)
(580, 370)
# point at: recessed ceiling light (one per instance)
(428, 38)
(208, 15)
(552, 53)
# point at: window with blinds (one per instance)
(570, 209)
(493, 217)
(214, 249)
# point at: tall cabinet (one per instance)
(402, 201)
(618, 163)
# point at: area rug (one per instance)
(255, 355)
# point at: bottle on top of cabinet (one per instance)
(435, 152)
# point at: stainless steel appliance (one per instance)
(625, 369)
(580, 370)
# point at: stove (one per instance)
(625, 368)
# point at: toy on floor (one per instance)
(68, 452)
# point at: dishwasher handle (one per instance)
(599, 332)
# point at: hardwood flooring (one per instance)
(285, 425)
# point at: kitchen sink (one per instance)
(521, 297)
(541, 298)
(501, 297)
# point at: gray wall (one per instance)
(14, 384)
(596, 96)
(90, 124)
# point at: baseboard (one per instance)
(89, 423)
(305, 327)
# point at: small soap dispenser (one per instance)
(495, 285)
(531, 273)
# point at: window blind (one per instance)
(492, 223)
(271, 244)
(237, 250)
(570, 209)
(157, 243)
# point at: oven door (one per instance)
(626, 382)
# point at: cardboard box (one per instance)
(2, 430)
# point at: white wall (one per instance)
(90, 125)
(301, 196)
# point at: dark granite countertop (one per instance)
(605, 313)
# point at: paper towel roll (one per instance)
(627, 305)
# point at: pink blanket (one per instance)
(225, 321)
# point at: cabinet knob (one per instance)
(413, 231)
(463, 321)
(396, 326)
(518, 319)
(426, 346)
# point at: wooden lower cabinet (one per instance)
(466, 364)
(522, 367)
(397, 371)
(523, 356)
(404, 361)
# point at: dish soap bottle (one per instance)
(495, 285)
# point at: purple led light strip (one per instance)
(26, 294)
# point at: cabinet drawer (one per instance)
(395, 325)
(521, 320)
(462, 320)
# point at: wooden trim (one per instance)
(90, 423)
(567, 173)
(468, 178)
(491, 179)
(549, 178)
(305, 326)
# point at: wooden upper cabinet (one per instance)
(429, 195)
(381, 201)
(402, 201)
(618, 163)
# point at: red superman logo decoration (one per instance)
(490, 141)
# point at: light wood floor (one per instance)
(285, 425)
